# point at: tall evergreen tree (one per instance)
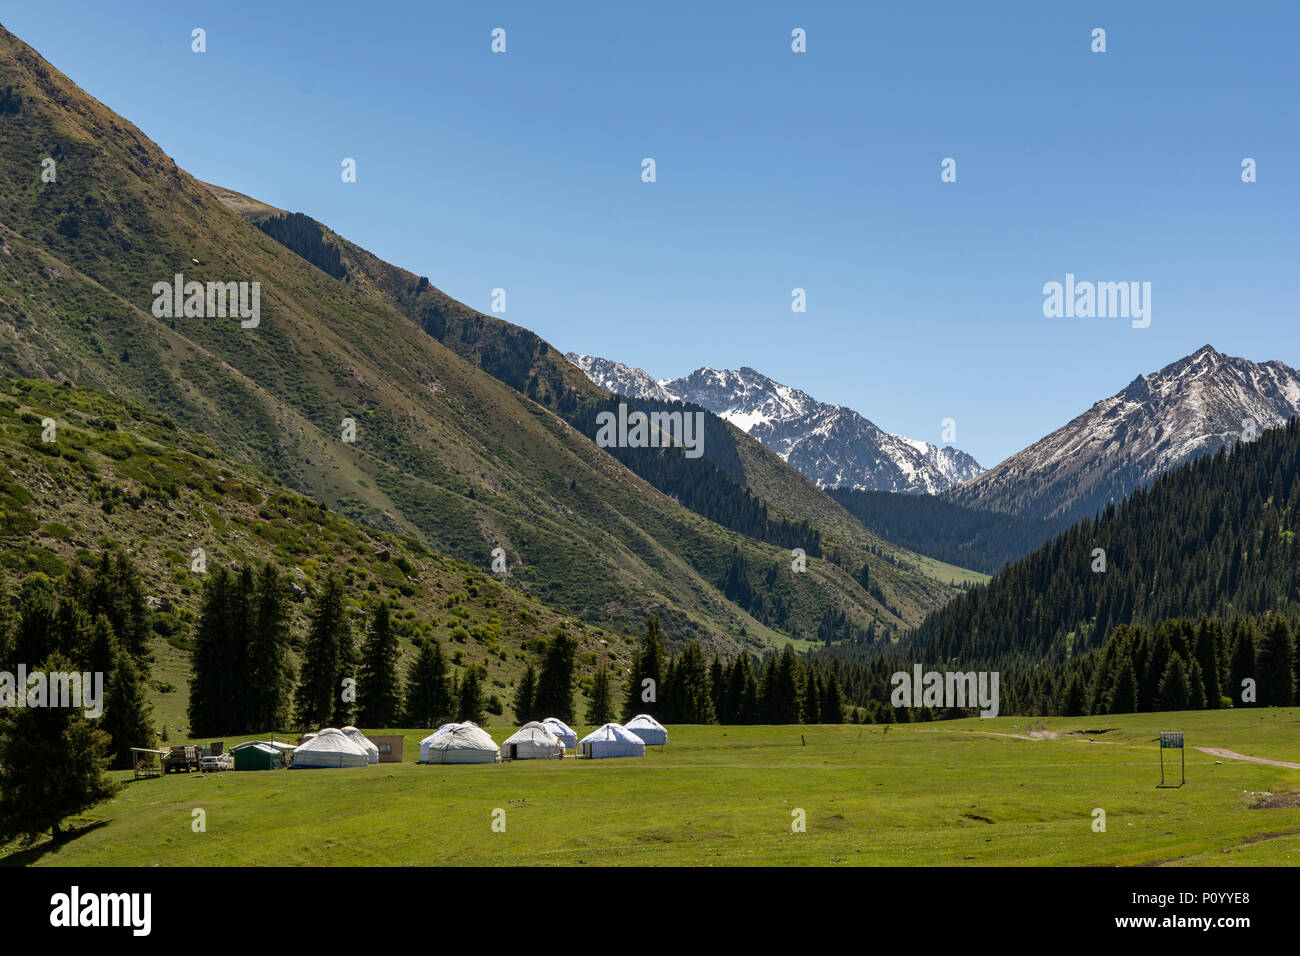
(555, 683)
(428, 695)
(379, 694)
(693, 693)
(269, 652)
(643, 697)
(832, 711)
(214, 677)
(1174, 691)
(52, 763)
(1275, 663)
(812, 705)
(525, 702)
(1242, 665)
(600, 709)
(1207, 657)
(1123, 690)
(128, 715)
(471, 698)
(319, 701)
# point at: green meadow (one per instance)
(944, 793)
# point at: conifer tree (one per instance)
(600, 709)
(319, 701)
(832, 701)
(648, 665)
(555, 682)
(1242, 665)
(428, 695)
(1275, 663)
(214, 679)
(128, 715)
(525, 702)
(1174, 691)
(471, 698)
(1123, 690)
(271, 671)
(812, 707)
(379, 695)
(52, 763)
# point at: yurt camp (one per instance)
(648, 729)
(563, 732)
(362, 741)
(532, 741)
(459, 743)
(329, 748)
(612, 740)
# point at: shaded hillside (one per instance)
(1217, 536)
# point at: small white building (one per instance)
(329, 748)
(459, 743)
(563, 732)
(612, 740)
(648, 729)
(532, 741)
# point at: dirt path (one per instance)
(1232, 755)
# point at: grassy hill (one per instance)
(117, 476)
(960, 793)
(446, 453)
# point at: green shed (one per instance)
(257, 756)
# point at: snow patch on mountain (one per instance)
(830, 444)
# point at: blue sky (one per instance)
(775, 170)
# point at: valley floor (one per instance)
(1003, 791)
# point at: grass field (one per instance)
(950, 793)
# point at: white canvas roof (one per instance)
(563, 731)
(533, 740)
(612, 740)
(648, 729)
(330, 748)
(364, 742)
(459, 743)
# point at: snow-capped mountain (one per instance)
(1187, 409)
(830, 444)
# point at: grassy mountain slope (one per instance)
(444, 451)
(119, 476)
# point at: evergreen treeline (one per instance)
(1177, 664)
(1216, 536)
(687, 689)
(980, 540)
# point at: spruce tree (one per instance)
(213, 677)
(1242, 663)
(52, 763)
(379, 697)
(1123, 690)
(1174, 691)
(1275, 663)
(428, 696)
(693, 688)
(643, 697)
(471, 698)
(832, 701)
(525, 703)
(1207, 658)
(555, 682)
(271, 671)
(812, 707)
(320, 687)
(600, 709)
(128, 715)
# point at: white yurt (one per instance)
(459, 743)
(364, 742)
(330, 748)
(612, 740)
(532, 741)
(648, 729)
(563, 731)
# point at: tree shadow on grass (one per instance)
(33, 853)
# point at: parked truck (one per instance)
(181, 758)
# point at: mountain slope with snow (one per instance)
(1189, 408)
(832, 445)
